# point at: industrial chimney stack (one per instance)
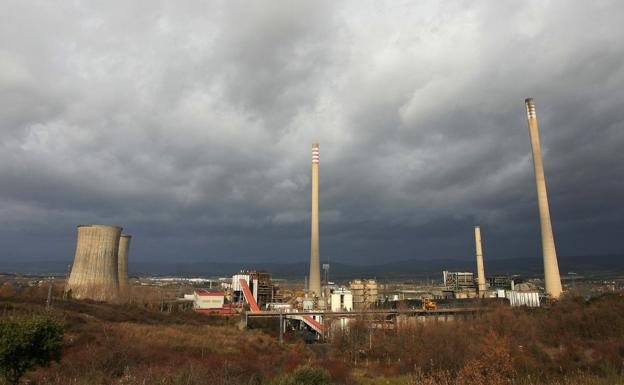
(124, 248)
(315, 268)
(94, 273)
(480, 270)
(552, 280)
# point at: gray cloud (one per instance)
(191, 124)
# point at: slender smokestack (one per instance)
(315, 264)
(94, 273)
(124, 246)
(480, 271)
(552, 280)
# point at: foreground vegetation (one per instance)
(572, 339)
(26, 343)
(574, 342)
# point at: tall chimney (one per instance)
(480, 271)
(552, 280)
(315, 268)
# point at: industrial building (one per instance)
(209, 302)
(365, 293)
(260, 285)
(341, 300)
(455, 280)
(528, 299)
(203, 299)
(501, 282)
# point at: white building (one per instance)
(208, 300)
(236, 286)
(528, 299)
(341, 300)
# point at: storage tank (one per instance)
(94, 274)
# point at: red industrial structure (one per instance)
(253, 305)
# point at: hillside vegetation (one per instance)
(573, 342)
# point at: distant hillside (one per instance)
(402, 269)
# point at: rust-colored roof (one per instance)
(210, 293)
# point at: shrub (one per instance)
(305, 375)
(26, 344)
(492, 366)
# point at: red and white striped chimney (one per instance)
(315, 153)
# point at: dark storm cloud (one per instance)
(191, 124)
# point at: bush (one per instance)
(305, 375)
(26, 344)
(492, 364)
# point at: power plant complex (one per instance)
(97, 267)
(461, 281)
(100, 272)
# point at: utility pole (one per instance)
(49, 299)
(281, 326)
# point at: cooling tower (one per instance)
(122, 263)
(94, 273)
(315, 267)
(552, 280)
(480, 270)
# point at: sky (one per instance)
(190, 125)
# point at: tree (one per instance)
(353, 341)
(26, 344)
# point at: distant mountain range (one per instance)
(419, 269)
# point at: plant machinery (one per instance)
(429, 304)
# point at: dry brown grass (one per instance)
(572, 338)
(573, 343)
(126, 344)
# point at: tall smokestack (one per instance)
(94, 273)
(480, 271)
(122, 260)
(552, 280)
(315, 264)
